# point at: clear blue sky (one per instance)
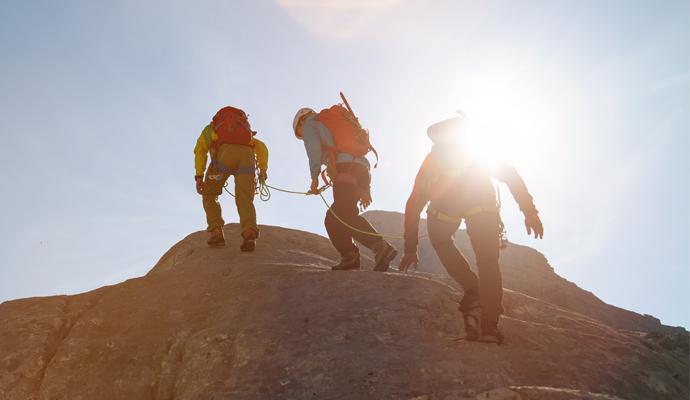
(101, 102)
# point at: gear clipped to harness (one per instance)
(502, 233)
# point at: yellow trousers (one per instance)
(238, 161)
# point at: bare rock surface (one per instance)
(277, 324)
(524, 270)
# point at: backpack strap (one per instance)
(376, 154)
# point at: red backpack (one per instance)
(348, 134)
(232, 126)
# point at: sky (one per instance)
(101, 104)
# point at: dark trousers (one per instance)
(483, 230)
(351, 181)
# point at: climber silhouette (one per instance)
(234, 152)
(458, 186)
(332, 138)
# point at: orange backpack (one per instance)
(232, 127)
(348, 135)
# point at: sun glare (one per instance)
(507, 118)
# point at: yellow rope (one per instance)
(292, 191)
(355, 229)
(264, 190)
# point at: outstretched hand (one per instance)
(263, 175)
(533, 224)
(409, 259)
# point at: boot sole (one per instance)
(498, 339)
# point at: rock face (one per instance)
(525, 270)
(277, 324)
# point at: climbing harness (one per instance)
(260, 188)
(263, 190)
(502, 234)
(434, 212)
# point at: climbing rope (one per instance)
(294, 192)
(381, 235)
(225, 187)
(264, 191)
(261, 190)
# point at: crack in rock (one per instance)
(63, 333)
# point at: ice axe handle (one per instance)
(342, 96)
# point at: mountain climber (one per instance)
(330, 139)
(234, 151)
(458, 187)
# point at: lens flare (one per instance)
(507, 118)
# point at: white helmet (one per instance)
(301, 113)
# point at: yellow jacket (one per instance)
(204, 145)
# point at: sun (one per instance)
(507, 118)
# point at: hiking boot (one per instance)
(471, 317)
(349, 261)
(470, 300)
(493, 336)
(490, 332)
(217, 238)
(385, 253)
(471, 314)
(249, 242)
